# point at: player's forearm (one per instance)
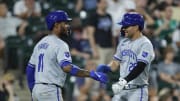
(83, 73)
(137, 70)
(76, 71)
(114, 65)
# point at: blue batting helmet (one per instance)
(131, 19)
(56, 16)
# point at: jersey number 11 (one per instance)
(40, 63)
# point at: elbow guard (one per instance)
(74, 69)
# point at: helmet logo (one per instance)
(53, 17)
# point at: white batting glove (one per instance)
(118, 86)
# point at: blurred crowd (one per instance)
(95, 35)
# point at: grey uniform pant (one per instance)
(43, 92)
(139, 94)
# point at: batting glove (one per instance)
(99, 76)
(103, 68)
(118, 86)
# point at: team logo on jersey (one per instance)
(144, 54)
(67, 54)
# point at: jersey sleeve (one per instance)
(146, 53)
(117, 55)
(63, 54)
(32, 60)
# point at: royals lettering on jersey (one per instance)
(130, 52)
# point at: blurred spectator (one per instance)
(169, 71)
(99, 29)
(165, 26)
(6, 88)
(141, 7)
(85, 8)
(156, 13)
(176, 40)
(3, 91)
(153, 84)
(27, 8)
(80, 48)
(87, 5)
(165, 95)
(169, 2)
(151, 5)
(176, 9)
(85, 89)
(2, 44)
(9, 24)
(149, 33)
(117, 8)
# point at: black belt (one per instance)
(50, 84)
(133, 86)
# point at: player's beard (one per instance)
(64, 35)
(62, 32)
(65, 31)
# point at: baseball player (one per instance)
(51, 61)
(134, 55)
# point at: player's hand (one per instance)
(118, 86)
(99, 76)
(103, 68)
